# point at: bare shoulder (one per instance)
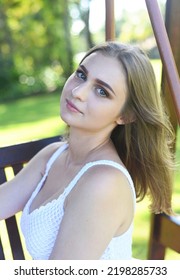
(107, 188)
(107, 179)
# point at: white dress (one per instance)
(41, 226)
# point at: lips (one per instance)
(72, 107)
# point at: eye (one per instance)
(102, 92)
(81, 75)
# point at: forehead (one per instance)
(104, 67)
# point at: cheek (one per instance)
(69, 85)
(105, 112)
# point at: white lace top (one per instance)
(41, 226)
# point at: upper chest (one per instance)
(57, 180)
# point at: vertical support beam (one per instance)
(172, 22)
(156, 250)
(165, 52)
(110, 20)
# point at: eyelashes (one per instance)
(100, 91)
(81, 75)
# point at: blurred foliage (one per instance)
(133, 27)
(35, 46)
(39, 40)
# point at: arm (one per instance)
(15, 193)
(94, 213)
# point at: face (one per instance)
(94, 95)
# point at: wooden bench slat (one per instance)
(17, 168)
(2, 256)
(22, 153)
(172, 235)
(165, 233)
(14, 238)
(2, 176)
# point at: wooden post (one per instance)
(110, 24)
(165, 52)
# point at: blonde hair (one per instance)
(144, 145)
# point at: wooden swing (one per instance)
(165, 230)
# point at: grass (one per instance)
(38, 117)
(30, 118)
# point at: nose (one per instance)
(80, 92)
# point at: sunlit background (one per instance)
(41, 43)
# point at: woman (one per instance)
(77, 197)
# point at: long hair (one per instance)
(144, 145)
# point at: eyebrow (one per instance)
(98, 80)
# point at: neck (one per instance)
(83, 147)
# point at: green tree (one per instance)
(35, 46)
(8, 71)
(135, 27)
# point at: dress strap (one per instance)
(100, 162)
(54, 156)
(48, 166)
